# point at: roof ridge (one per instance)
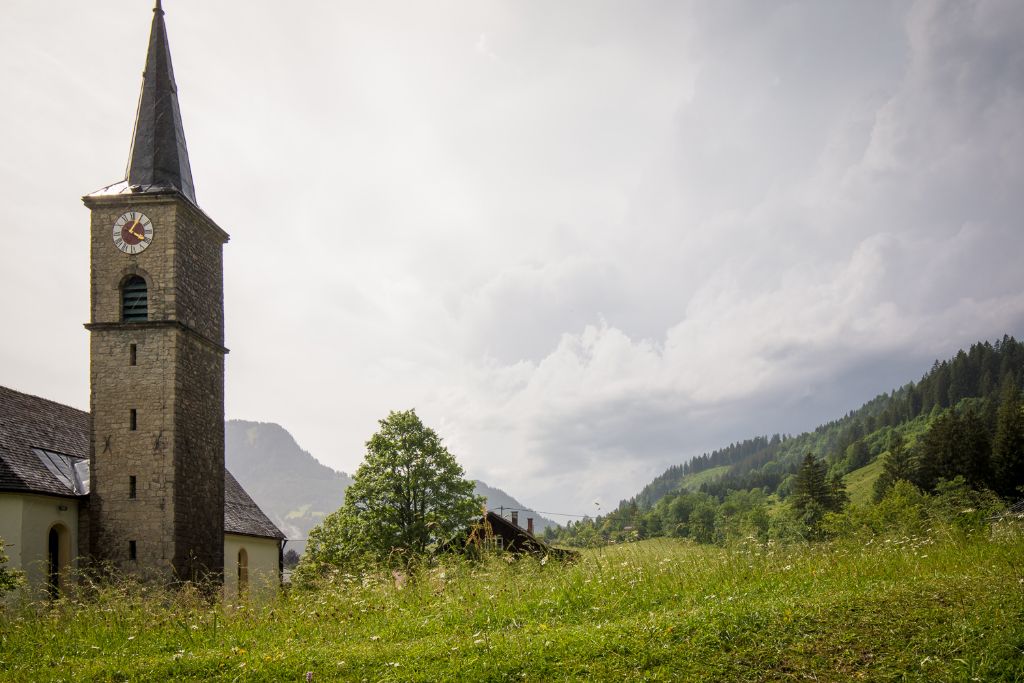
(44, 400)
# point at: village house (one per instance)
(494, 531)
(138, 483)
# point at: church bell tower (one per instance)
(157, 352)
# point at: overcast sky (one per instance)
(585, 240)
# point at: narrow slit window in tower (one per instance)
(134, 300)
(131, 486)
(132, 354)
(133, 419)
(132, 551)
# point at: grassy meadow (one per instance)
(897, 609)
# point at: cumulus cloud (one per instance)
(891, 230)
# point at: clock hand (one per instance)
(132, 231)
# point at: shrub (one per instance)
(9, 578)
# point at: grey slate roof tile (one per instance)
(242, 515)
(29, 421)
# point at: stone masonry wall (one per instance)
(118, 453)
(199, 298)
(176, 451)
(199, 467)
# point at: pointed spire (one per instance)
(159, 159)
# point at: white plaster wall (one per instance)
(264, 577)
(25, 523)
(10, 527)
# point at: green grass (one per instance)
(656, 610)
(692, 482)
(860, 483)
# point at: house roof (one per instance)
(31, 426)
(520, 538)
(28, 422)
(242, 515)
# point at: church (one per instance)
(138, 483)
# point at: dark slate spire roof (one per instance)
(159, 159)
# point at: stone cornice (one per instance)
(138, 199)
(156, 324)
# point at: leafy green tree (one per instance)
(743, 514)
(9, 578)
(857, 455)
(1008, 445)
(407, 496)
(702, 521)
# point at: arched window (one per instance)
(243, 571)
(53, 568)
(58, 552)
(134, 300)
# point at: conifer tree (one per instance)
(811, 488)
(956, 445)
(1008, 445)
(838, 497)
(899, 464)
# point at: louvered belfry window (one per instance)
(134, 300)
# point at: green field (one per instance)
(692, 482)
(656, 610)
(860, 484)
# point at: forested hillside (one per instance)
(293, 488)
(961, 422)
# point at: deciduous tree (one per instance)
(408, 495)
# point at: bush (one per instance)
(9, 578)
(965, 509)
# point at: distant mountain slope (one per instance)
(852, 441)
(496, 499)
(962, 421)
(298, 492)
(292, 487)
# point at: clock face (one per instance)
(133, 232)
